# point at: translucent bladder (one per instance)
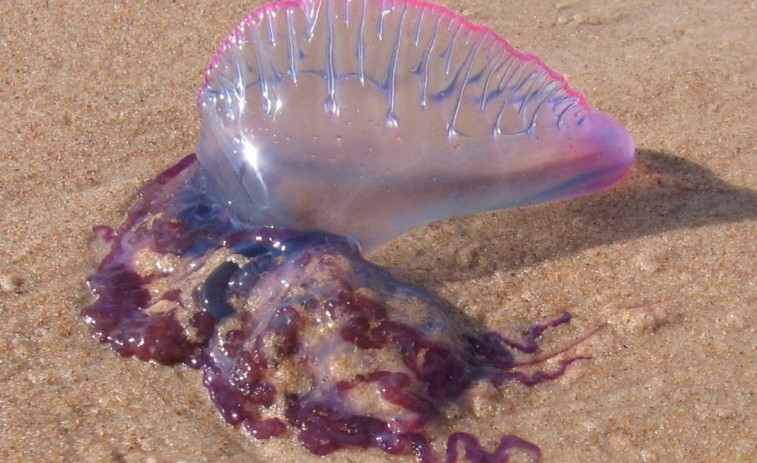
(368, 118)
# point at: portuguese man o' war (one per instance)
(328, 128)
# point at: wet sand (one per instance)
(100, 97)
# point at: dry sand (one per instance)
(98, 97)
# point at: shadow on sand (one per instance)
(663, 193)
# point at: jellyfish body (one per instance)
(331, 126)
(370, 118)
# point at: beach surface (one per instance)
(99, 97)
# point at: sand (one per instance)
(98, 97)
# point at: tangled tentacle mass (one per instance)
(295, 330)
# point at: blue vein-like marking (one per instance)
(494, 67)
(451, 49)
(346, 12)
(330, 105)
(417, 39)
(275, 75)
(263, 79)
(235, 86)
(572, 102)
(507, 100)
(525, 100)
(506, 74)
(425, 61)
(392, 74)
(469, 59)
(486, 46)
(311, 18)
(271, 30)
(380, 25)
(230, 86)
(361, 46)
(528, 95)
(292, 35)
(545, 96)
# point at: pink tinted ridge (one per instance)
(254, 17)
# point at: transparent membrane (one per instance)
(368, 118)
